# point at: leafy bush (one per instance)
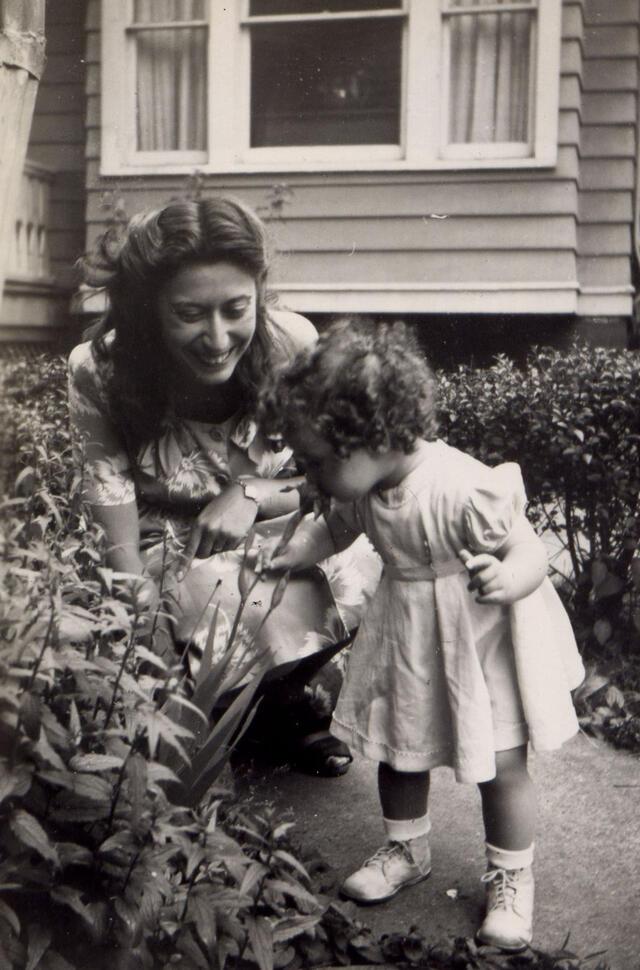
(105, 861)
(572, 421)
(108, 853)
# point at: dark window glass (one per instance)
(266, 8)
(326, 83)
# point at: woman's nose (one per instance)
(216, 330)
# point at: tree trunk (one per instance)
(21, 65)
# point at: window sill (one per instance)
(548, 160)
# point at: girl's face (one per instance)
(345, 479)
(207, 320)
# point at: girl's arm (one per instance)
(311, 542)
(273, 496)
(516, 569)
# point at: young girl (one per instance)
(466, 653)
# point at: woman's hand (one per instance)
(223, 524)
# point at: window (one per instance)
(254, 85)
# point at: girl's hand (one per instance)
(223, 524)
(272, 558)
(490, 577)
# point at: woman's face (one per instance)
(207, 319)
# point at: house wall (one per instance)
(58, 135)
(608, 155)
(537, 241)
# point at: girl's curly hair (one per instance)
(133, 264)
(363, 385)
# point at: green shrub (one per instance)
(572, 421)
(109, 853)
(102, 861)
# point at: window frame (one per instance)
(423, 143)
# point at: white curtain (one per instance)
(171, 76)
(490, 74)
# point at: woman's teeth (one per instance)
(215, 360)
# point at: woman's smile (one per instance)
(212, 359)
(208, 320)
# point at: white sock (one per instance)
(405, 829)
(509, 858)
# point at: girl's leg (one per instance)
(403, 794)
(406, 857)
(509, 812)
(508, 802)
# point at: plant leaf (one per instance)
(8, 914)
(28, 830)
(39, 940)
(261, 939)
(95, 762)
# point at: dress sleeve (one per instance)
(493, 506)
(293, 331)
(98, 448)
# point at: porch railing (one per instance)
(29, 254)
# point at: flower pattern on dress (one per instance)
(107, 482)
(244, 432)
(81, 404)
(191, 476)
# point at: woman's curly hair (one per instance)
(133, 264)
(363, 385)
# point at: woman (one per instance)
(175, 469)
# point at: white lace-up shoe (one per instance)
(388, 871)
(509, 920)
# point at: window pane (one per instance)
(157, 11)
(326, 83)
(172, 89)
(265, 8)
(490, 79)
(471, 4)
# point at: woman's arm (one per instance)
(273, 496)
(517, 568)
(122, 530)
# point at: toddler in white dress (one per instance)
(466, 654)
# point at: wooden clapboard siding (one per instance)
(58, 133)
(550, 230)
(608, 153)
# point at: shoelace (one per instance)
(385, 852)
(505, 885)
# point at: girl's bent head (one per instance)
(362, 386)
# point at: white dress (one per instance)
(435, 678)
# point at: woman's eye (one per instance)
(236, 310)
(188, 314)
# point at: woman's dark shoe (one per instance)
(322, 754)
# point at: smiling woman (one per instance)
(175, 469)
(207, 318)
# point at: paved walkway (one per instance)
(587, 858)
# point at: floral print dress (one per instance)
(170, 480)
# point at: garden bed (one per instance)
(94, 838)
